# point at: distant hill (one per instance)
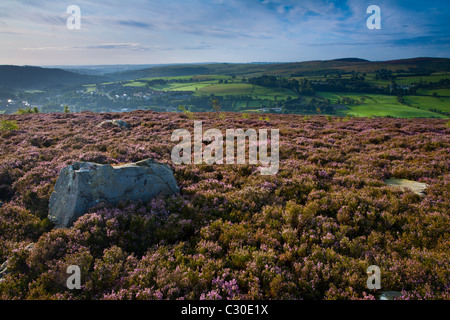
(100, 70)
(163, 71)
(429, 64)
(318, 67)
(28, 77)
(351, 60)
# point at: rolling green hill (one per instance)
(28, 77)
(287, 69)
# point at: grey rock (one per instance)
(118, 123)
(404, 184)
(3, 270)
(84, 184)
(389, 295)
(4, 267)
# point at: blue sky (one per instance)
(34, 32)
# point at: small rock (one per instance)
(5, 265)
(3, 268)
(416, 187)
(84, 184)
(389, 295)
(118, 123)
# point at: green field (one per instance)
(271, 93)
(90, 87)
(366, 98)
(440, 92)
(189, 86)
(364, 105)
(209, 84)
(397, 111)
(246, 89)
(432, 78)
(227, 89)
(187, 78)
(210, 77)
(166, 78)
(401, 80)
(135, 84)
(385, 105)
(428, 102)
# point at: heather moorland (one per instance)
(308, 232)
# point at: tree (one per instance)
(216, 105)
(27, 110)
(66, 109)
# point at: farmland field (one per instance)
(427, 102)
(183, 86)
(422, 105)
(245, 89)
(135, 84)
(387, 105)
(390, 110)
(243, 93)
(440, 92)
(430, 78)
(90, 88)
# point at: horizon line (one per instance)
(216, 62)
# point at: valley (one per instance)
(414, 88)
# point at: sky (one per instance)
(35, 32)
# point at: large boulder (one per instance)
(84, 184)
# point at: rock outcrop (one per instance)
(83, 185)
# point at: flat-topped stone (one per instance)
(84, 184)
(416, 187)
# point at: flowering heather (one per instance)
(308, 232)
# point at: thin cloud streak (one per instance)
(107, 46)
